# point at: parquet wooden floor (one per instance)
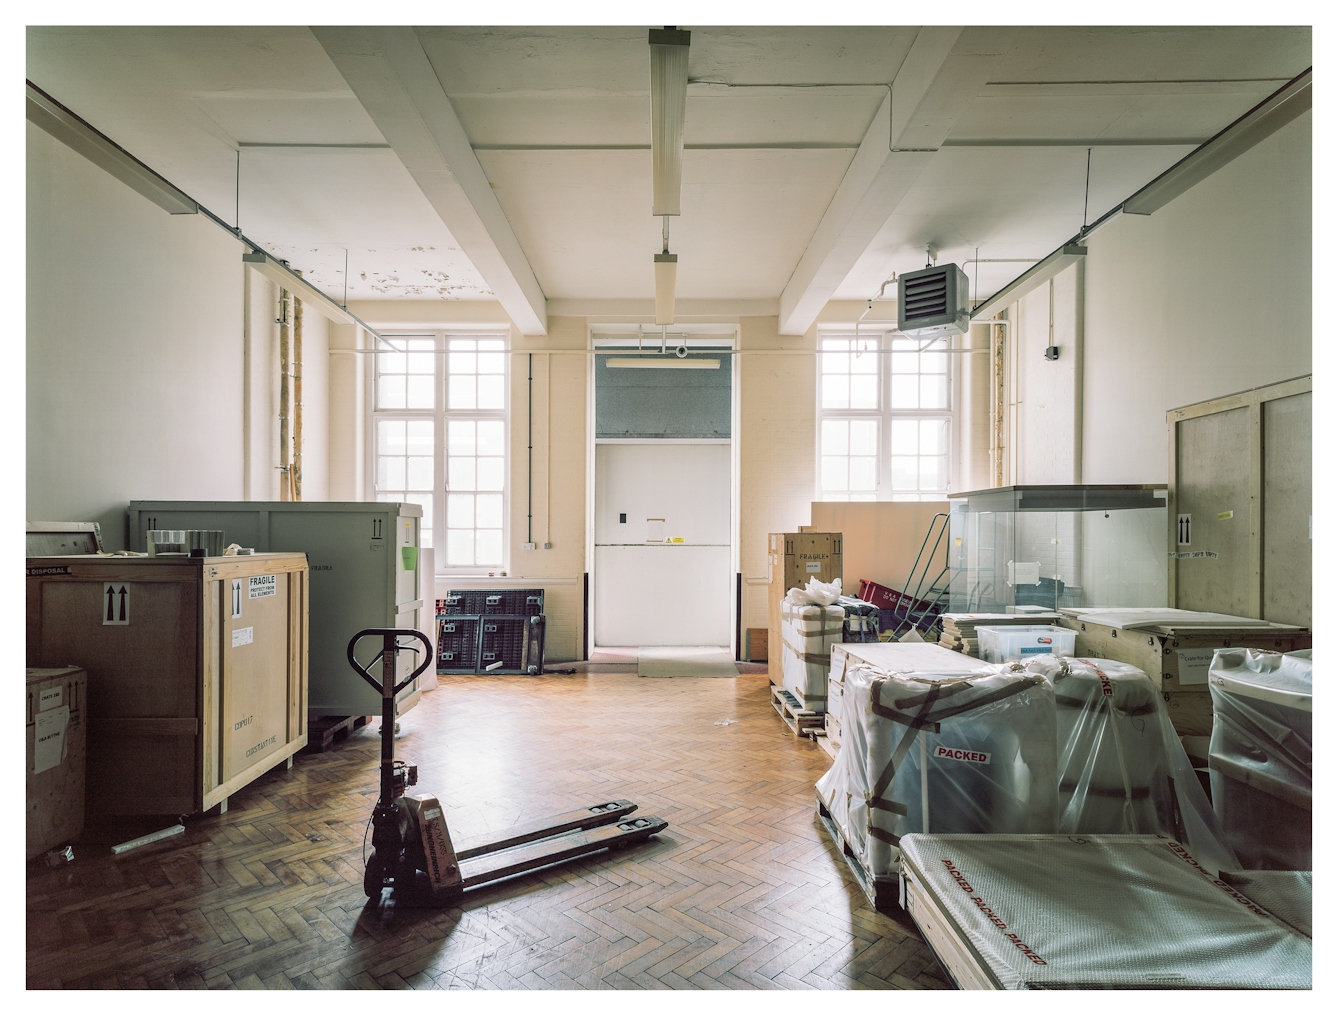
(742, 891)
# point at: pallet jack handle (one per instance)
(389, 647)
(388, 689)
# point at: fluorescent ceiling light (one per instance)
(288, 279)
(666, 280)
(668, 106)
(674, 364)
(1041, 272)
(1279, 109)
(67, 128)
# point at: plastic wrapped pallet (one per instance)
(968, 753)
(808, 632)
(1259, 756)
(1046, 912)
(1122, 769)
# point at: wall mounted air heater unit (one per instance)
(933, 301)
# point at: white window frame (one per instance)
(884, 416)
(441, 417)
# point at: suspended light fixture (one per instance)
(666, 278)
(668, 106)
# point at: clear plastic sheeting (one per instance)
(1259, 756)
(808, 632)
(969, 753)
(1284, 894)
(1046, 912)
(1122, 768)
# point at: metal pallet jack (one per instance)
(412, 854)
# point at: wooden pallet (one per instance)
(796, 717)
(883, 891)
(827, 744)
(324, 731)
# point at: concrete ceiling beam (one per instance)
(944, 71)
(394, 81)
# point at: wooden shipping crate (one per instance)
(1176, 656)
(793, 559)
(197, 670)
(56, 749)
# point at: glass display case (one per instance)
(1049, 547)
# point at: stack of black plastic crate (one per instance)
(491, 631)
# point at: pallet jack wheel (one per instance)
(373, 876)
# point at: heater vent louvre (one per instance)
(933, 301)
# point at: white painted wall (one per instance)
(1045, 391)
(777, 448)
(1208, 296)
(134, 347)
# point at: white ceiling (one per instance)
(259, 122)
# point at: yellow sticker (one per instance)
(1223, 516)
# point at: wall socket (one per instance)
(529, 546)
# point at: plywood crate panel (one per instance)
(195, 688)
(57, 708)
(1176, 657)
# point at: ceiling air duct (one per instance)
(933, 302)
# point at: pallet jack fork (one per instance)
(412, 853)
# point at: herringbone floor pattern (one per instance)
(742, 891)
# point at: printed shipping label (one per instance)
(962, 755)
(812, 567)
(263, 585)
(1032, 650)
(50, 698)
(1194, 665)
(243, 637)
(49, 740)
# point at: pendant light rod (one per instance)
(668, 107)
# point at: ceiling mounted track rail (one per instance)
(71, 129)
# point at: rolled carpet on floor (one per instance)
(685, 661)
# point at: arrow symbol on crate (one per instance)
(110, 592)
(123, 595)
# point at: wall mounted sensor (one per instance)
(1052, 352)
(681, 352)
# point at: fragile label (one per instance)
(981, 758)
(1194, 665)
(263, 585)
(243, 637)
(49, 739)
(50, 698)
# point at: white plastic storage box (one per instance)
(364, 574)
(1020, 641)
(808, 633)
